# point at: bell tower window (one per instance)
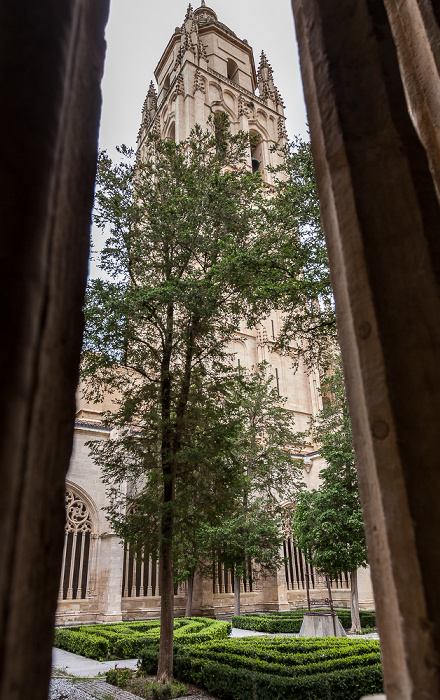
(232, 70)
(256, 151)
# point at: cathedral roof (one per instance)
(205, 16)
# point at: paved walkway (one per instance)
(80, 667)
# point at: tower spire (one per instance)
(266, 85)
(150, 104)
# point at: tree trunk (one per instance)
(166, 578)
(165, 666)
(354, 604)
(189, 598)
(236, 595)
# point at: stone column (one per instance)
(416, 28)
(382, 221)
(111, 563)
(365, 589)
(51, 64)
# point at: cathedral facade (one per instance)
(204, 69)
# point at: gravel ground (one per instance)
(61, 689)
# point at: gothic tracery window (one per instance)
(78, 532)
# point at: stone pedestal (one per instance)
(321, 626)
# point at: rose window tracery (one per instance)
(77, 514)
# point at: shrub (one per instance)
(126, 640)
(291, 620)
(267, 669)
(118, 676)
(90, 645)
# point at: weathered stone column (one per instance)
(111, 566)
(416, 29)
(51, 61)
(382, 223)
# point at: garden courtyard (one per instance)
(257, 656)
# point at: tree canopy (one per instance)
(328, 522)
(196, 245)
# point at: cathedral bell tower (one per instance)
(206, 69)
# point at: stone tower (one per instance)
(204, 69)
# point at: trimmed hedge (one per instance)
(291, 620)
(258, 669)
(126, 640)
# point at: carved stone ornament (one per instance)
(243, 110)
(78, 517)
(202, 51)
(198, 82)
(179, 88)
(282, 133)
(286, 521)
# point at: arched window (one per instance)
(256, 144)
(232, 70)
(78, 533)
(166, 83)
(172, 132)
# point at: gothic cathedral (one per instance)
(205, 68)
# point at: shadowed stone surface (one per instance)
(321, 626)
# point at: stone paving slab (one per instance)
(80, 666)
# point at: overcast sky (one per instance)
(138, 32)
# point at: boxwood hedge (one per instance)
(125, 640)
(271, 669)
(291, 620)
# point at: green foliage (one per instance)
(298, 275)
(126, 640)
(328, 522)
(264, 452)
(92, 646)
(291, 621)
(118, 676)
(279, 668)
(161, 690)
(135, 683)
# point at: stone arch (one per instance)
(241, 348)
(79, 532)
(257, 145)
(217, 109)
(171, 131)
(232, 71)
(214, 92)
(230, 101)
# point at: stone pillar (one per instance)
(365, 589)
(111, 564)
(416, 29)
(51, 63)
(382, 220)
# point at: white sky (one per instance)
(137, 34)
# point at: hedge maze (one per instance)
(250, 668)
(278, 669)
(126, 640)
